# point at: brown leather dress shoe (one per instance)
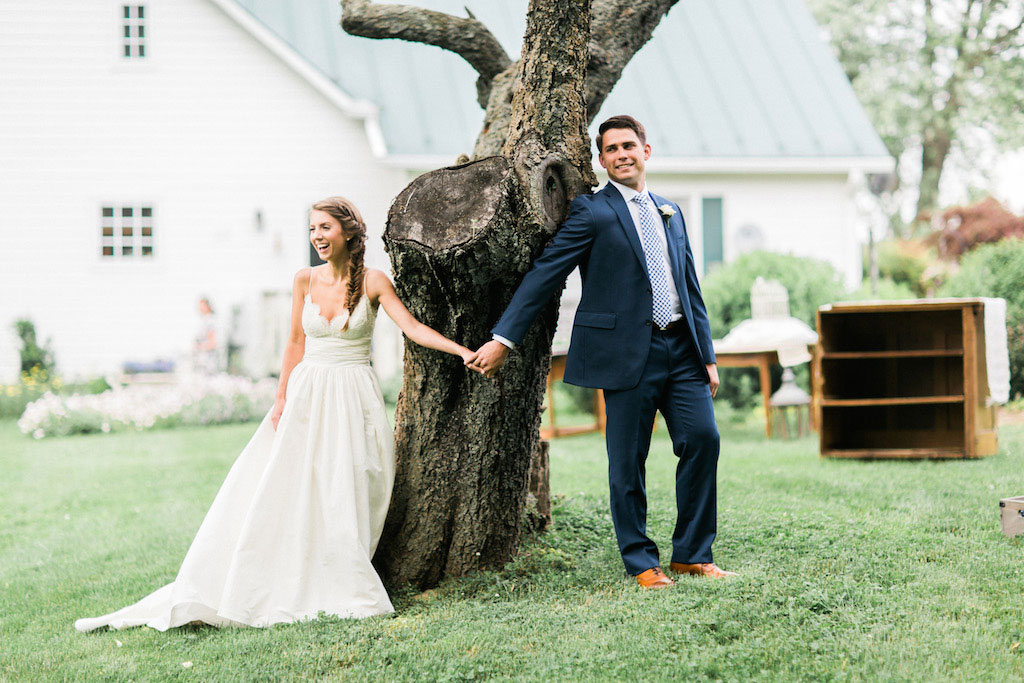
(654, 578)
(707, 569)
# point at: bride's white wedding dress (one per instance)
(295, 524)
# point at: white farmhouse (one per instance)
(154, 153)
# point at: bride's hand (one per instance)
(468, 357)
(275, 414)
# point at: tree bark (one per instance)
(458, 246)
(460, 240)
(466, 37)
(934, 150)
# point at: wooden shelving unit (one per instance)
(903, 380)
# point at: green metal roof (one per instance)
(719, 78)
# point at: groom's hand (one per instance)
(713, 378)
(489, 358)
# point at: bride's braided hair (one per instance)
(354, 230)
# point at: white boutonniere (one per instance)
(667, 211)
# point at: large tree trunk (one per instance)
(934, 150)
(460, 240)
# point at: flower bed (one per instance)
(199, 400)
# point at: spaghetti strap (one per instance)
(309, 288)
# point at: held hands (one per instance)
(488, 359)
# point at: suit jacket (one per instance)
(611, 333)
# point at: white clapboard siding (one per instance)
(209, 129)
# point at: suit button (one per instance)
(647, 322)
(650, 291)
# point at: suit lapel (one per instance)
(618, 204)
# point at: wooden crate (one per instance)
(903, 380)
(1011, 512)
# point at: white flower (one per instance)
(667, 211)
(38, 434)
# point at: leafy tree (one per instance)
(929, 72)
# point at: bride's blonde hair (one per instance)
(354, 230)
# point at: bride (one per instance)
(294, 526)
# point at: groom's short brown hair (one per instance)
(621, 121)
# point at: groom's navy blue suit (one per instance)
(617, 347)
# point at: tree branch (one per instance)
(618, 29)
(468, 38)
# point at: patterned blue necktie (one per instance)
(654, 253)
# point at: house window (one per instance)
(133, 31)
(126, 231)
(711, 223)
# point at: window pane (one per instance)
(712, 224)
(127, 12)
(108, 231)
(126, 212)
(108, 211)
(147, 231)
(142, 50)
(147, 211)
(108, 251)
(126, 251)
(126, 231)
(127, 31)
(147, 250)
(142, 31)
(142, 11)
(127, 50)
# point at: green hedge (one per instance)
(997, 270)
(811, 283)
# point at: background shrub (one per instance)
(997, 270)
(897, 264)
(887, 291)
(33, 356)
(810, 282)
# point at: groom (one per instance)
(641, 334)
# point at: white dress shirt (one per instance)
(659, 225)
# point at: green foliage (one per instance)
(35, 383)
(932, 72)
(901, 268)
(726, 291)
(810, 283)
(857, 571)
(32, 354)
(887, 291)
(997, 270)
(390, 387)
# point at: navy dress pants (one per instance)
(673, 382)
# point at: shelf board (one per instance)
(898, 401)
(893, 453)
(920, 353)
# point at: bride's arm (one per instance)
(380, 289)
(296, 345)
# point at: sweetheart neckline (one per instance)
(330, 321)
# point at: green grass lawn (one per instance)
(850, 570)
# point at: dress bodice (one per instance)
(327, 342)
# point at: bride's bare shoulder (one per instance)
(376, 279)
(300, 282)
